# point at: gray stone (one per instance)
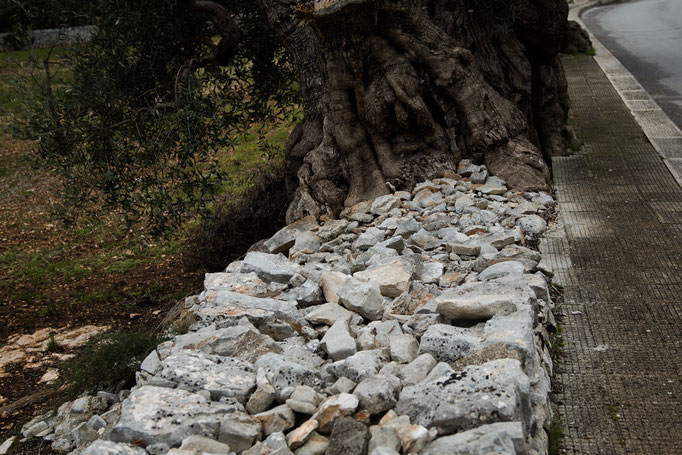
(532, 224)
(349, 437)
(241, 341)
(333, 408)
(403, 347)
(261, 399)
(363, 298)
(395, 243)
(244, 283)
(315, 445)
(478, 177)
(304, 400)
(285, 237)
(432, 271)
(270, 267)
(329, 313)
(492, 188)
(82, 434)
(496, 391)
(282, 372)
(221, 376)
(337, 342)
(384, 204)
(202, 444)
(332, 229)
(464, 249)
(407, 227)
(446, 343)
(470, 307)
(239, 431)
(463, 203)
(280, 418)
(502, 269)
(393, 277)
(298, 351)
(369, 238)
(101, 447)
(502, 438)
(378, 393)
(160, 415)
(417, 370)
(342, 385)
(424, 240)
(383, 437)
(307, 294)
(358, 366)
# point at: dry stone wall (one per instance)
(414, 323)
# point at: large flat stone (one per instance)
(270, 267)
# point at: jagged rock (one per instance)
(432, 272)
(502, 438)
(242, 283)
(384, 204)
(270, 267)
(363, 298)
(282, 372)
(403, 347)
(160, 415)
(502, 269)
(463, 249)
(496, 391)
(300, 435)
(316, 445)
(358, 366)
(338, 342)
(329, 313)
(332, 229)
(393, 277)
(369, 238)
(100, 447)
(446, 343)
(202, 444)
(333, 408)
(378, 393)
(330, 282)
(284, 239)
(276, 419)
(417, 370)
(349, 437)
(239, 431)
(241, 341)
(221, 376)
(407, 227)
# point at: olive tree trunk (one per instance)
(396, 91)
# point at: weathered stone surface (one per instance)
(328, 314)
(300, 435)
(497, 391)
(282, 372)
(403, 347)
(333, 408)
(363, 298)
(202, 444)
(378, 393)
(502, 269)
(221, 376)
(349, 437)
(432, 272)
(280, 418)
(160, 415)
(111, 448)
(337, 342)
(240, 341)
(393, 277)
(358, 366)
(239, 431)
(446, 343)
(502, 438)
(532, 224)
(285, 237)
(369, 238)
(417, 370)
(330, 282)
(304, 400)
(384, 204)
(475, 308)
(270, 267)
(407, 227)
(464, 249)
(316, 445)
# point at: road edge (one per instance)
(662, 133)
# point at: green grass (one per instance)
(556, 435)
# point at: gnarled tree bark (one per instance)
(396, 91)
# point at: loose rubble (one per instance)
(415, 323)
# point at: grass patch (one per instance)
(109, 361)
(52, 345)
(556, 435)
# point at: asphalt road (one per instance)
(646, 36)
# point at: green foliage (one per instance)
(556, 435)
(130, 132)
(52, 345)
(109, 361)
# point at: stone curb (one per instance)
(663, 134)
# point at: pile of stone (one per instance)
(414, 323)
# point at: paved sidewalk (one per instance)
(619, 384)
